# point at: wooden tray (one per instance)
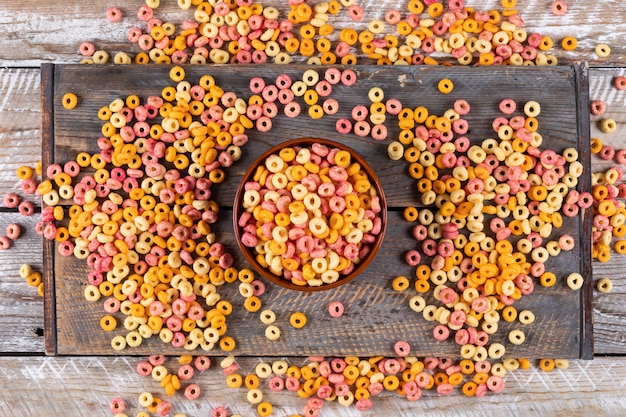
(376, 316)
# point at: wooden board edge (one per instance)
(47, 155)
(584, 125)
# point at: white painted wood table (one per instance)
(31, 384)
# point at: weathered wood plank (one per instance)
(21, 309)
(57, 40)
(609, 317)
(19, 125)
(45, 387)
(388, 317)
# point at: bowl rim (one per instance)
(237, 210)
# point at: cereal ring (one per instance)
(114, 14)
(335, 309)
(597, 107)
(297, 320)
(603, 50)
(13, 231)
(69, 101)
(604, 285)
(619, 82)
(445, 86)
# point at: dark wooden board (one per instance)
(376, 316)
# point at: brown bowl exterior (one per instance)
(248, 252)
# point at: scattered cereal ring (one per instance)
(604, 285)
(445, 86)
(335, 309)
(69, 101)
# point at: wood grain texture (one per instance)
(609, 317)
(378, 316)
(21, 309)
(30, 37)
(32, 32)
(19, 125)
(78, 386)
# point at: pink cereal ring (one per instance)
(343, 126)
(495, 384)
(330, 106)
(597, 107)
(86, 49)
(202, 363)
(619, 82)
(192, 392)
(117, 405)
(441, 332)
(566, 242)
(13, 231)
(185, 372)
(461, 337)
(447, 295)
(558, 7)
(362, 128)
(293, 109)
(11, 200)
(144, 368)
(5, 243)
(355, 12)
(359, 113)
(364, 404)
(114, 14)
(26, 208)
(458, 317)
(257, 84)
(412, 257)
(335, 309)
(348, 77)
(379, 132)
(402, 348)
(276, 383)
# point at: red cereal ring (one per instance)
(597, 107)
(619, 82)
(607, 152)
(335, 309)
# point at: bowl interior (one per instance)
(249, 252)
